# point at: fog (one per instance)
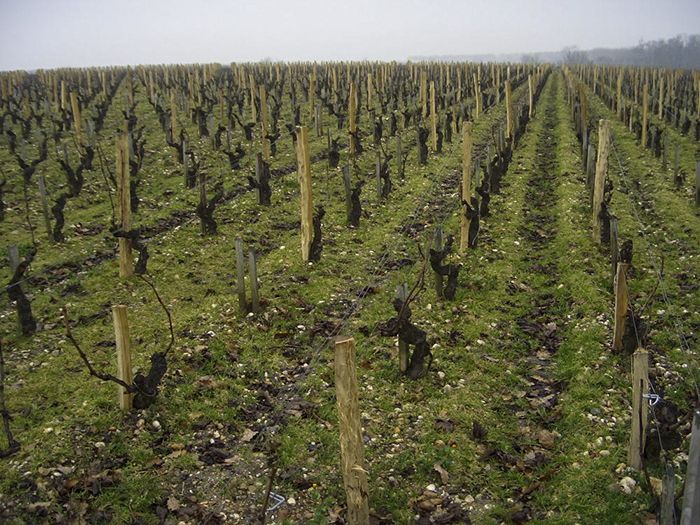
(56, 33)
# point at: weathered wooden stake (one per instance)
(640, 408)
(621, 304)
(590, 168)
(668, 496)
(467, 145)
(531, 90)
(437, 245)
(240, 276)
(697, 184)
(402, 293)
(126, 262)
(509, 112)
(645, 114)
(601, 169)
(399, 156)
(614, 250)
(676, 162)
(350, 429)
(304, 173)
(433, 117)
(691, 494)
(45, 205)
(13, 257)
(124, 371)
(352, 122)
(75, 108)
(253, 274)
(264, 123)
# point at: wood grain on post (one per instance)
(509, 112)
(75, 108)
(661, 97)
(668, 496)
(45, 205)
(645, 114)
(697, 184)
(253, 273)
(402, 293)
(691, 493)
(614, 250)
(619, 92)
(601, 169)
(350, 429)
(352, 121)
(304, 174)
(438, 245)
(126, 262)
(124, 371)
(173, 117)
(240, 276)
(621, 304)
(13, 257)
(433, 117)
(264, 123)
(467, 145)
(531, 107)
(640, 408)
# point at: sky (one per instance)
(75, 33)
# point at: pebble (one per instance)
(291, 501)
(627, 484)
(156, 424)
(100, 445)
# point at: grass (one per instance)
(212, 396)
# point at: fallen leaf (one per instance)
(444, 475)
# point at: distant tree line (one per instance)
(682, 51)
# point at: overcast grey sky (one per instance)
(54, 33)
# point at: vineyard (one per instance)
(350, 293)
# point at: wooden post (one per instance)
(75, 108)
(676, 162)
(661, 97)
(264, 123)
(509, 112)
(13, 257)
(350, 429)
(621, 304)
(645, 115)
(590, 168)
(259, 168)
(126, 263)
(352, 122)
(601, 169)
(348, 191)
(691, 493)
(304, 173)
(240, 277)
(402, 293)
(640, 408)
(433, 116)
(614, 250)
(253, 273)
(664, 151)
(399, 156)
(45, 205)
(437, 245)
(697, 184)
(668, 496)
(124, 372)
(467, 145)
(173, 116)
(184, 159)
(619, 93)
(531, 108)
